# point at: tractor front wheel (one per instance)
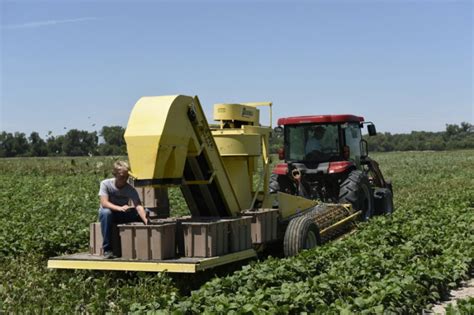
(301, 233)
(356, 190)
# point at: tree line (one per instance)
(453, 138)
(74, 143)
(84, 143)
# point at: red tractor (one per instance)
(327, 159)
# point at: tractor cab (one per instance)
(328, 138)
(320, 154)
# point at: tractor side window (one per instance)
(353, 138)
(296, 142)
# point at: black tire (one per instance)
(301, 233)
(383, 200)
(356, 190)
(281, 183)
(274, 186)
(389, 185)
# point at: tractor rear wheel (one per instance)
(301, 233)
(356, 190)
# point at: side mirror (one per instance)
(364, 149)
(372, 130)
(278, 131)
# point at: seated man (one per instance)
(314, 141)
(115, 194)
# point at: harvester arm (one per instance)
(169, 143)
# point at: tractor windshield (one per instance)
(312, 142)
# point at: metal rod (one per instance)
(340, 222)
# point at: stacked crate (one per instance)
(189, 237)
(240, 234)
(148, 242)
(264, 225)
(205, 237)
(95, 240)
(155, 199)
(208, 237)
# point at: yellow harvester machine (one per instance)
(223, 172)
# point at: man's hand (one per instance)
(124, 208)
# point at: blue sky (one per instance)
(406, 65)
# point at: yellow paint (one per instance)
(174, 267)
(218, 261)
(290, 205)
(339, 223)
(160, 135)
(121, 265)
(233, 112)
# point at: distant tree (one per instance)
(55, 145)
(276, 142)
(113, 135)
(114, 142)
(3, 149)
(80, 143)
(13, 144)
(466, 127)
(452, 130)
(37, 145)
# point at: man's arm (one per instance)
(105, 203)
(142, 213)
(138, 205)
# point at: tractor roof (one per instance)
(319, 119)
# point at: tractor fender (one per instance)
(341, 167)
(280, 169)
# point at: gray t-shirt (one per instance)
(119, 197)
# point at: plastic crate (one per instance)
(264, 225)
(240, 234)
(148, 242)
(205, 237)
(155, 199)
(96, 240)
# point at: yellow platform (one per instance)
(178, 265)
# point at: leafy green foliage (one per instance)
(396, 264)
(463, 306)
(455, 137)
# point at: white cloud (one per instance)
(46, 23)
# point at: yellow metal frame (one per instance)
(339, 223)
(151, 266)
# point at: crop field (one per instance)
(401, 263)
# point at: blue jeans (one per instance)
(107, 218)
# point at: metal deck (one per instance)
(178, 265)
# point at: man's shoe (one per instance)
(109, 255)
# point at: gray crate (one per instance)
(264, 225)
(96, 240)
(205, 237)
(240, 234)
(148, 242)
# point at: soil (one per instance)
(467, 290)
